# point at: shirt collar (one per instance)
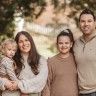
(90, 37)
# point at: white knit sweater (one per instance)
(30, 83)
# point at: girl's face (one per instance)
(10, 50)
(24, 44)
(64, 44)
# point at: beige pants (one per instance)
(35, 94)
(10, 93)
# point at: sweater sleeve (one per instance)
(2, 84)
(37, 83)
(6, 68)
(10, 71)
(47, 89)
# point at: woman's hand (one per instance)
(8, 84)
(14, 85)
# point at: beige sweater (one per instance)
(62, 79)
(85, 56)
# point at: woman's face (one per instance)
(24, 44)
(64, 44)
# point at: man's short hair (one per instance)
(87, 11)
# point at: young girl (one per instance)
(62, 78)
(7, 64)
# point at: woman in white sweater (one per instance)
(31, 69)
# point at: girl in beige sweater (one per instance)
(62, 78)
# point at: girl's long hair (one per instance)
(33, 58)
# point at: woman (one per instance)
(31, 69)
(62, 78)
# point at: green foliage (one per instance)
(33, 9)
(55, 3)
(6, 19)
(81, 4)
(8, 8)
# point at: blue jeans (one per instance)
(89, 94)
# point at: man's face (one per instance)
(87, 24)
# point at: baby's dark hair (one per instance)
(66, 32)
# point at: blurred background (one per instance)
(43, 19)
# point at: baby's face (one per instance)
(10, 50)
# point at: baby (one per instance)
(7, 64)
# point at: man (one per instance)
(85, 54)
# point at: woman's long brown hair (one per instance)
(33, 58)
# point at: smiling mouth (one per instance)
(64, 48)
(86, 27)
(26, 47)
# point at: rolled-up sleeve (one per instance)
(37, 83)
